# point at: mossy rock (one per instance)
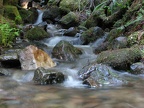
(10, 2)
(136, 38)
(121, 58)
(29, 16)
(12, 13)
(114, 33)
(92, 34)
(69, 20)
(4, 20)
(92, 21)
(65, 51)
(73, 4)
(36, 33)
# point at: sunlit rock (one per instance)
(31, 58)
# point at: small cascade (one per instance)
(39, 19)
(72, 82)
(54, 40)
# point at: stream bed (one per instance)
(28, 95)
(19, 90)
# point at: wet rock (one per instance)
(51, 14)
(31, 58)
(102, 47)
(9, 60)
(120, 42)
(37, 33)
(121, 58)
(65, 51)
(69, 20)
(92, 34)
(47, 76)
(137, 68)
(96, 75)
(70, 32)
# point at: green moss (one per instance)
(136, 38)
(36, 33)
(12, 13)
(114, 33)
(4, 20)
(73, 4)
(69, 20)
(10, 2)
(1, 3)
(120, 59)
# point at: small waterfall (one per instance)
(72, 80)
(39, 19)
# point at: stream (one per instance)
(19, 91)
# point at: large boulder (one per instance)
(120, 58)
(36, 33)
(98, 75)
(69, 20)
(65, 51)
(31, 58)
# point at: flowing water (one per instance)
(39, 19)
(19, 91)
